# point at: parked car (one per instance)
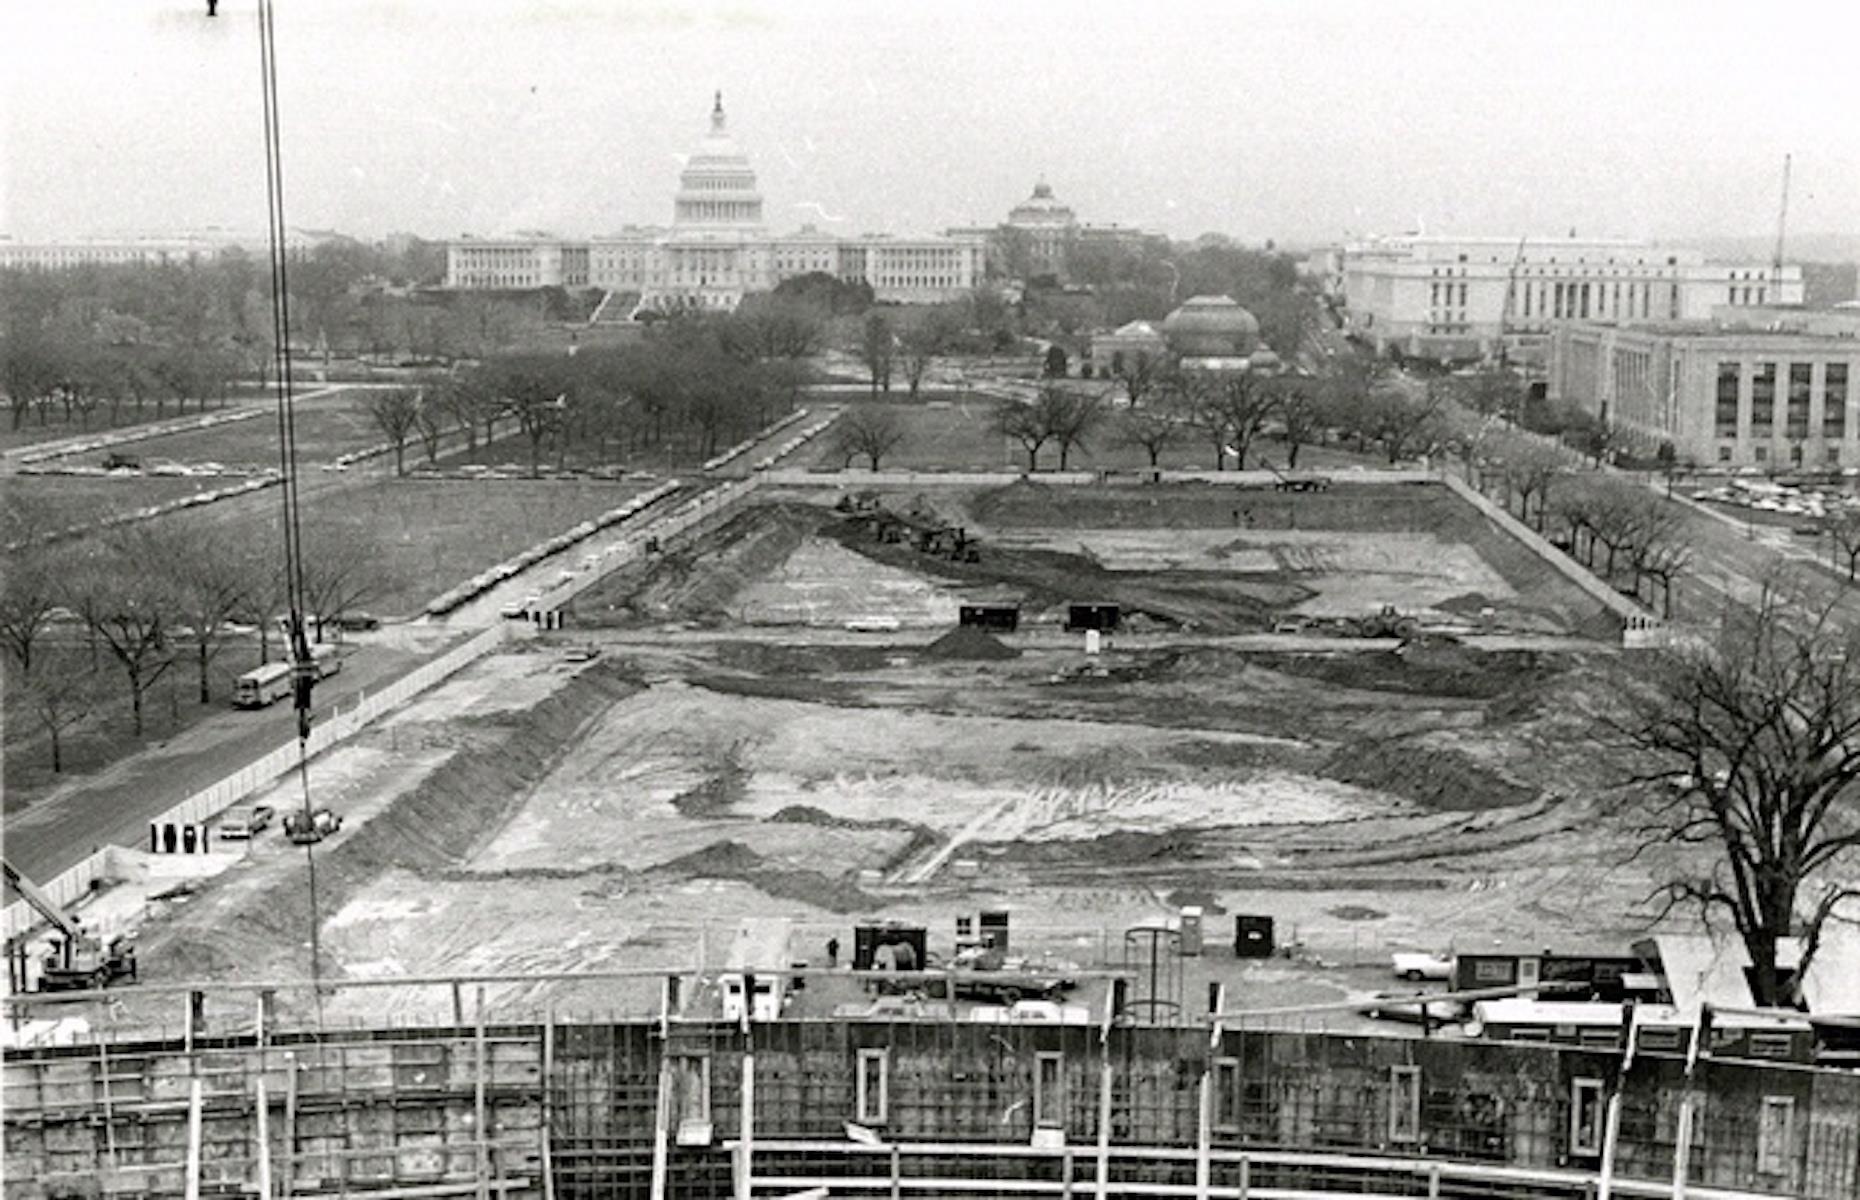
(245, 821)
(359, 622)
(1419, 965)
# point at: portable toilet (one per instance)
(1190, 929)
(751, 980)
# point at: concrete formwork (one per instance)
(649, 1108)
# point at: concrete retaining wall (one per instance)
(1632, 615)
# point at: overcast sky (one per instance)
(1297, 121)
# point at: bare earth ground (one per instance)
(534, 814)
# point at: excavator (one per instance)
(78, 960)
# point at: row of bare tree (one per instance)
(694, 383)
(1616, 527)
(136, 603)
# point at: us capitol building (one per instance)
(718, 249)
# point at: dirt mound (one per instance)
(966, 642)
(698, 579)
(733, 860)
(717, 794)
(1425, 667)
(1471, 604)
(430, 830)
(1438, 778)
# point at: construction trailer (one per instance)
(1601, 977)
(78, 959)
(999, 618)
(1102, 617)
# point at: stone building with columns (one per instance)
(718, 249)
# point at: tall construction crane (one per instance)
(1511, 300)
(78, 959)
(1782, 223)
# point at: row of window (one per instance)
(1801, 392)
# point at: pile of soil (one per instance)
(1436, 777)
(697, 580)
(966, 642)
(733, 860)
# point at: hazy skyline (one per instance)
(1290, 121)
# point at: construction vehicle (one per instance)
(307, 829)
(78, 960)
(1388, 622)
(1297, 481)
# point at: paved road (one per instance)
(1733, 559)
(116, 805)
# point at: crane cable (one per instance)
(303, 667)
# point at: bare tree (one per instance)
(29, 594)
(1153, 429)
(922, 340)
(878, 344)
(1403, 420)
(1140, 373)
(1843, 529)
(868, 431)
(128, 603)
(1303, 417)
(60, 698)
(211, 585)
(1073, 417)
(1232, 409)
(394, 411)
(1024, 424)
(340, 575)
(1530, 469)
(430, 414)
(1755, 741)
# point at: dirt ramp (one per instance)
(433, 827)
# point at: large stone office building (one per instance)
(1464, 298)
(718, 249)
(1750, 388)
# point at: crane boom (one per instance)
(1782, 223)
(1511, 288)
(40, 902)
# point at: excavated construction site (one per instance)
(784, 718)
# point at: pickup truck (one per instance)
(244, 821)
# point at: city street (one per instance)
(116, 805)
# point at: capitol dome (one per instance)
(717, 188)
(1211, 327)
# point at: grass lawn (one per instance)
(326, 427)
(78, 499)
(959, 435)
(430, 534)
